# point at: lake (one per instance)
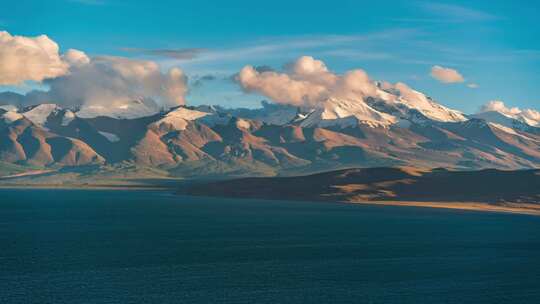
(99, 246)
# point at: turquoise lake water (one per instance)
(75, 246)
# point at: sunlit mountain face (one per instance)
(284, 151)
(421, 86)
(388, 125)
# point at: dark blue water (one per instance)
(61, 246)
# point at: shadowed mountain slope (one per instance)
(385, 184)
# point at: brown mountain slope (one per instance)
(25, 143)
(226, 146)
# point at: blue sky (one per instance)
(493, 44)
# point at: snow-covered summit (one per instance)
(179, 117)
(40, 113)
(403, 97)
(345, 113)
(511, 120)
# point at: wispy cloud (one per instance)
(358, 54)
(499, 56)
(278, 46)
(455, 13)
(180, 54)
(442, 13)
(527, 54)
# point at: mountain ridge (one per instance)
(274, 140)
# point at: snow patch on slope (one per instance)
(110, 136)
(505, 129)
(179, 118)
(39, 114)
(11, 116)
(68, 117)
(9, 108)
(243, 124)
(510, 131)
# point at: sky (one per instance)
(462, 53)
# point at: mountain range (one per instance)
(391, 128)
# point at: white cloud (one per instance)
(74, 79)
(75, 58)
(456, 13)
(296, 45)
(530, 116)
(29, 58)
(307, 82)
(446, 75)
(473, 85)
(280, 87)
(116, 82)
(498, 106)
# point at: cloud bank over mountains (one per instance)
(306, 82)
(75, 79)
(116, 81)
(103, 83)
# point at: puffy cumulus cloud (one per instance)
(116, 82)
(280, 87)
(306, 81)
(530, 116)
(74, 79)
(29, 58)
(409, 95)
(75, 58)
(446, 75)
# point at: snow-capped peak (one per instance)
(179, 117)
(503, 119)
(402, 96)
(346, 113)
(511, 120)
(40, 113)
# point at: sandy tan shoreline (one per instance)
(530, 209)
(521, 208)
